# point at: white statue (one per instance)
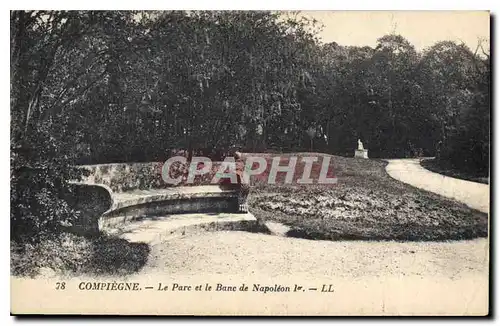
(360, 145)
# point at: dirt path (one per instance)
(367, 278)
(230, 252)
(473, 194)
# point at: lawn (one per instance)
(365, 203)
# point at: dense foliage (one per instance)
(99, 87)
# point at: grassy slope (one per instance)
(366, 203)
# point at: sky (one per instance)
(420, 28)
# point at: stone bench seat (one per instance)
(138, 197)
(138, 204)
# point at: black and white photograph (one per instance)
(250, 162)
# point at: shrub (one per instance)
(71, 254)
(39, 174)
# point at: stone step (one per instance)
(158, 229)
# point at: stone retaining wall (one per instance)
(122, 177)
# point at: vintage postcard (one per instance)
(284, 163)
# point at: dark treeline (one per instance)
(100, 87)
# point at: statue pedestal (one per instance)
(361, 153)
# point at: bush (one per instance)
(65, 253)
(39, 175)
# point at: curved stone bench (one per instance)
(158, 213)
(137, 193)
(139, 204)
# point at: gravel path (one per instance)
(473, 194)
(230, 252)
(367, 278)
